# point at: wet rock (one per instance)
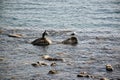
(15, 35)
(109, 67)
(47, 57)
(83, 74)
(71, 40)
(53, 72)
(43, 41)
(53, 64)
(104, 79)
(1, 59)
(74, 33)
(37, 64)
(43, 64)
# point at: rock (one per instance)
(84, 74)
(71, 40)
(104, 79)
(53, 64)
(74, 33)
(53, 72)
(1, 59)
(43, 64)
(43, 41)
(39, 64)
(109, 67)
(35, 64)
(15, 35)
(47, 57)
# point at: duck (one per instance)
(72, 40)
(43, 41)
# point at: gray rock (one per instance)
(71, 40)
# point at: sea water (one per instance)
(96, 24)
(60, 14)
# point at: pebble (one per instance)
(109, 67)
(53, 64)
(1, 59)
(53, 72)
(15, 35)
(47, 57)
(71, 40)
(84, 74)
(37, 64)
(104, 79)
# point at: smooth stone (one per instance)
(42, 42)
(49, 58)
(104, 79)
(53, 64)
(15, 35)
(53, 72)
(43, 64)
(71, 40)
(74, 33)
(109, 67)
(84, 74)
(1, 59)
(46, 56)
(37, 64)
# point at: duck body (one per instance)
(42, 41)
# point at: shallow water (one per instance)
(96, 48)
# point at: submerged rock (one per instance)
(35, 64)
(39, 64)
(104, 79)
(74, 33)
(53, 64)
(42, 41)
(109, 67)
(49, 58)
(84, 74)
(15, 35)
(71, 40)
(53, 72)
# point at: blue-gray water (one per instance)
(97, 27)
(60, 14)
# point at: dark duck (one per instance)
(43, 41)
